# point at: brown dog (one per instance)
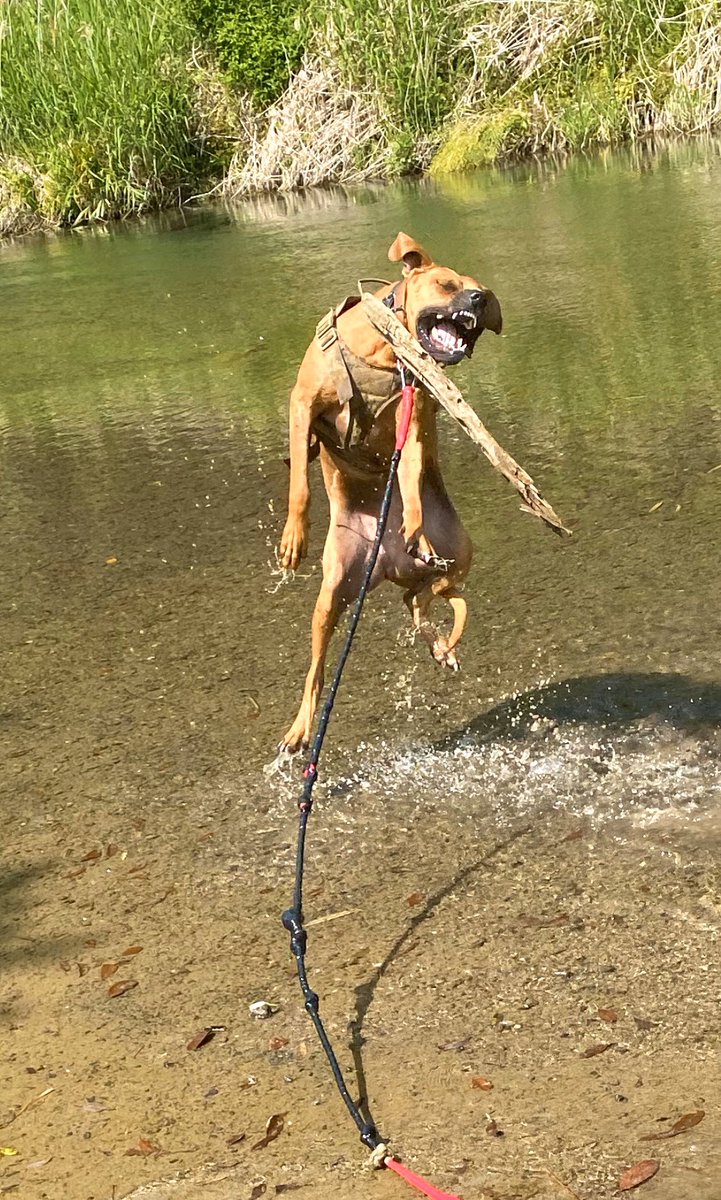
(344, 406)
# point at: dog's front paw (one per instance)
(415, 543)
(294, 543)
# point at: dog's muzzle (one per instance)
(450, 333)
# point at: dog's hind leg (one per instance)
(344, 561)
(329, 606)
(419, 603)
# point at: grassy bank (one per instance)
(566, 76)
(109, 108)
(99, 111)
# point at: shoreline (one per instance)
(23, 223)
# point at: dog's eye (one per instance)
(450, 286)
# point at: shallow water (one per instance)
(146, 370)
(153, 655)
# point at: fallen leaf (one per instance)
(122, 986)
(8, 1151)
(682, 1125)
(552, 922)
(642, 1023)
(83, 968)
(258, 1190)
(277, 1043)
(273, 1129)
(641, 1172)
(484, 1085)
(414, 899)
(111, 850)
(92, 855)
(76, 873)
(39, 1162)
(108, 969)
(235, 1140)
(493, 1129)
(608, 1014)
(600, 1048)
(132, 950)
(687, 1121)
(202, 1037)
(655, 507)
(144, 1148)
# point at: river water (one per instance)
(152, 654)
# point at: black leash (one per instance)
(292, 918)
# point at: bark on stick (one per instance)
(411, 353)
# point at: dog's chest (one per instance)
(361, 426)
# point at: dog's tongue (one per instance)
(445, 337)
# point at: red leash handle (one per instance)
(417, 1181)
(407, 398)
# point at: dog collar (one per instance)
(393, 301)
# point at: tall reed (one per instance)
(97, 111)
(403, 54)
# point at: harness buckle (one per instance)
(326, 332)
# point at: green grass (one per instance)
(258, 43)
(403, 53)
(97, 114)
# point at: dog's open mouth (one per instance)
(448, 336)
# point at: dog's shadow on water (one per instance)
(609, 704)
(612, 702)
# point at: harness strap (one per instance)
(327, 335)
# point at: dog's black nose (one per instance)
(478, 298)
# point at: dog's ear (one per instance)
(492, 316)
(413, 255)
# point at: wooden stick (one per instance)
(411, 353)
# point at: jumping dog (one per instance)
(344, 408)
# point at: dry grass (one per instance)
(558, 75)
(694, 104)
(226, 122)
(319, 132)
